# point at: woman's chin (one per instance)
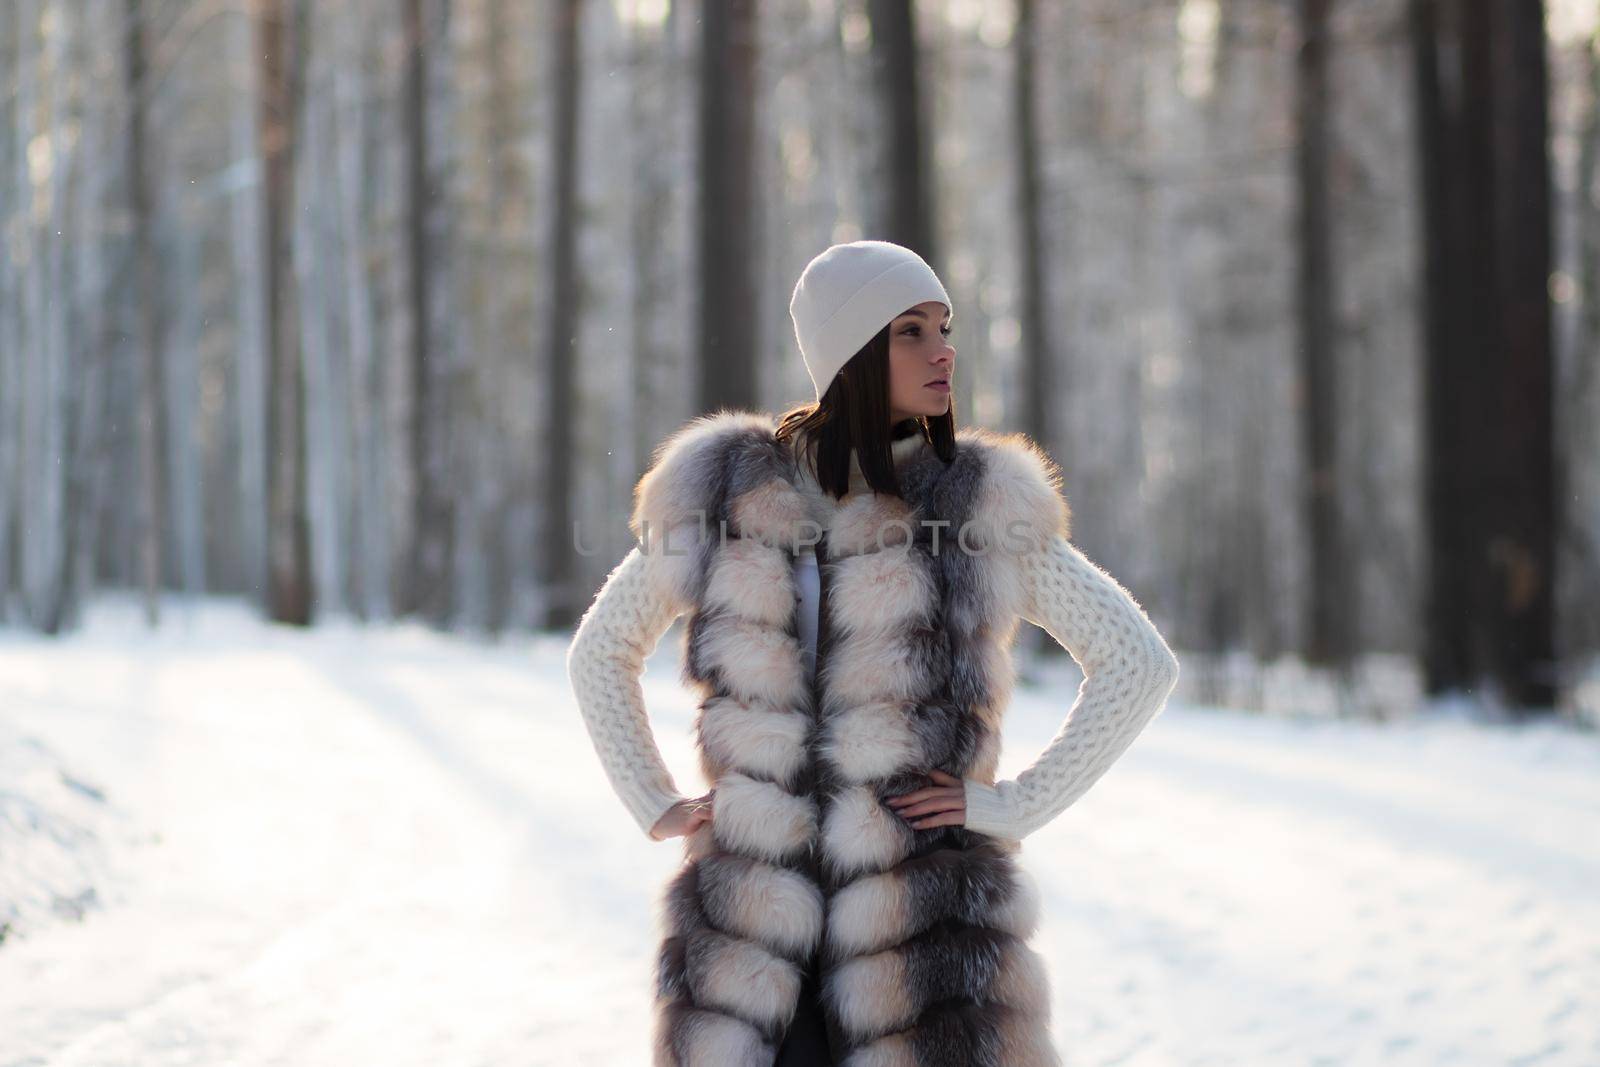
(928, 407)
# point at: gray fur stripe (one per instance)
(887, 991)
(687, 1036)
(949, 735)
(738, 977)
(980, 1035)
(780, 908)
(979, 886)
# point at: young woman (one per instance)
(854, 573)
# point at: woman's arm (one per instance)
(633, 610)
(1128, 673)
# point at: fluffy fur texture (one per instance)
(919, 935)
(761, 739)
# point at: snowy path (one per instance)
(396, 848)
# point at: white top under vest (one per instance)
(808, 592)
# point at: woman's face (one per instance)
(921, 359)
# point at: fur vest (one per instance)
(917, 937)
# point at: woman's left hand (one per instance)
(943, 804)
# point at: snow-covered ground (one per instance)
(352, 847)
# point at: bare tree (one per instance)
(1491, 479)
(1040, 361)
(152, 443)
(280, 46)
(907, 214)
(728, 210)
(16, 37)
(1328, 638)
(562, 317)
(82, 366)
(370, 597)
(1582, 389)
(251, 333)
(427, 591)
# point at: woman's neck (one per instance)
(906, 442)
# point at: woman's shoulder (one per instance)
(1016, 488)
(688, 467)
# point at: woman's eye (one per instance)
(945, 330)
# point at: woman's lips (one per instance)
(941, 385)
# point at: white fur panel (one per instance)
(869, 914)
(1019, 915)
(1004, 585)
(754, 737)
(874, 665)
(881, 590)
(861, 833)
(1023, 981)
(1025, 1041)
(869, 741)
(674, 560)
(1020, 501)
(999, 669)
(761, 820)
(775, 513)
(870, 522)
(752, 579)
(869, 994)
(892, 1050)
(985, 758)
(701, 843)
(739, 976)
(758, 661)
(711, 1038)
(774, 905)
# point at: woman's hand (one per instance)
(944, 804)
(684, 817)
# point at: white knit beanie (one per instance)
(848, 293)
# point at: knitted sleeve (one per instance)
(1128, 674)
(633, 610)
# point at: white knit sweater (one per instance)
(1128, 674)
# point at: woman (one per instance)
(854, 575)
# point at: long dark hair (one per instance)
(854, 413)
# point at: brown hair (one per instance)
(854, 413)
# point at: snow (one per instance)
(351, 846)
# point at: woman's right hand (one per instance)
(684, 817)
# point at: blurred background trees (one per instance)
(359, 308)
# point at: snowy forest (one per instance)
(336, 334)
(351, 308)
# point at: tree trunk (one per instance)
(907, 216)
(728, 219)
(279, 47)
(1039, 366)
(562, 316)
(84, 412)
(249, 259)
(14, 56)
(1491, 481)
(1328, 638)
(152, 495)
(369, 586)
(428, 591)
